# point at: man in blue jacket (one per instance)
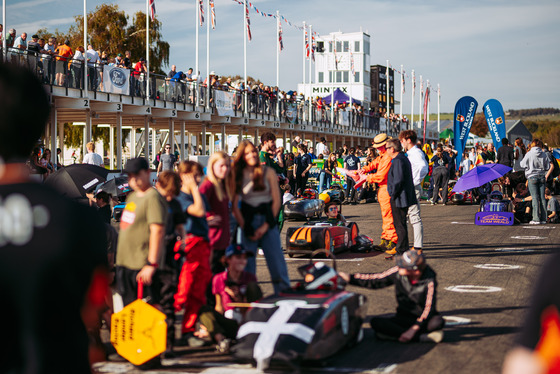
(400, 187)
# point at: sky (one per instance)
(503, 49)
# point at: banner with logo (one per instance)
(465, 109)
(344, 118)
(116, 80)
(291, 112)
(224, 102)
(495, 119)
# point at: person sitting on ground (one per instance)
(522, 203)
(235, 285)
(287, 194)
(333, 215)
(417, 318)
(552, 207)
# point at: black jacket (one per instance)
(400, 185)
(418, 300)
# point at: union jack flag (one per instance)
(280, 42)
(306, 45)
(201, 11)
(403, 82)
(212, 14)
(313, 47)
(248, 22)
(153, 9)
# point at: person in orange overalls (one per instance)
(382, 164)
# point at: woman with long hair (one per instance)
(217, 188)
(520, 152)
(257, 189)
(195, 272)
(537, 169)
(328, 171)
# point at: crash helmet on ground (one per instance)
(318, 276)
(411, 260)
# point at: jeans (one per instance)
(270, 244)
(416, 220)
(350, 190)
(536, 188)
(441, 179)
(322, 178)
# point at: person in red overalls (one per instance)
(195, 272)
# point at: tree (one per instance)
(479, 126)
(109, 31)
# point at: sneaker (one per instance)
(444, 204)
(223, 346)
(391, 251)
(534, 223)
(432, 337)
(189, 340)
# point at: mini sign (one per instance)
(494, 218)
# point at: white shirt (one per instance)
(78, 57)
(418, 164)
(320, 148)
(93, 159)
(93, 57)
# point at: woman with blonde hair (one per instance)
(217, 188)
(257, 188)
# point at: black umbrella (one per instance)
(115, 187)
(75, 180)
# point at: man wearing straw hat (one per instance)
(382, 164)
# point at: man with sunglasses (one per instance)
(166, 161)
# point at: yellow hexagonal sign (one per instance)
(139, 332)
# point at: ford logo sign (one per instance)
(118, 77)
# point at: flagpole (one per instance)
(438, 124)
(428, 98)
(412, 101)
(304, 53)
(387, 78)
(4, 30)
(332, 80)
(310, 41)
(420, 103)
(402, 89)
(85, 46)
(351, 78)
(197, 71)
(277, 63)
(245, 54)
(208, 21)
(147, 49)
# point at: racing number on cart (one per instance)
(86, 103)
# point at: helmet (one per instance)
(496, 196)
(325, 197)
(410, 260)
(309, 193)
(318, 276)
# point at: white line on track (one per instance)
(472, 289)
(515, 249)
(462, 223)
(528, 237)
(497, 266)
(456, 321)
(316, 259)
(539, 227)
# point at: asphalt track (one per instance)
(499, 264)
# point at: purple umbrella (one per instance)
(480, 175)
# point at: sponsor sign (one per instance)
(291, 112)
(494, 218)
(224, 102)
(465, 110)
(494, 114)
(116, 80)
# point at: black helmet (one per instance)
(411, 260)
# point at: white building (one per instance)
(328, 76)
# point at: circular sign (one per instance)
(497, 266)
(456, 321)
(470, 288)
(528, 237)
(514, 249)
(118, 78)
(344, 320)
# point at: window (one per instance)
(345, 76)
(330, 77)
(320, 78)
(357, 77)
(357, 46)
(345, 46)
(366, 47)
(338, 76)
(338, 47)
(330, 47)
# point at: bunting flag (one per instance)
(352, 69)
(212, 15)
(153, 9)
(201, 11)
(403, 82)
(335, 57)
(426, 100)
(248, 23)
(422, 88)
